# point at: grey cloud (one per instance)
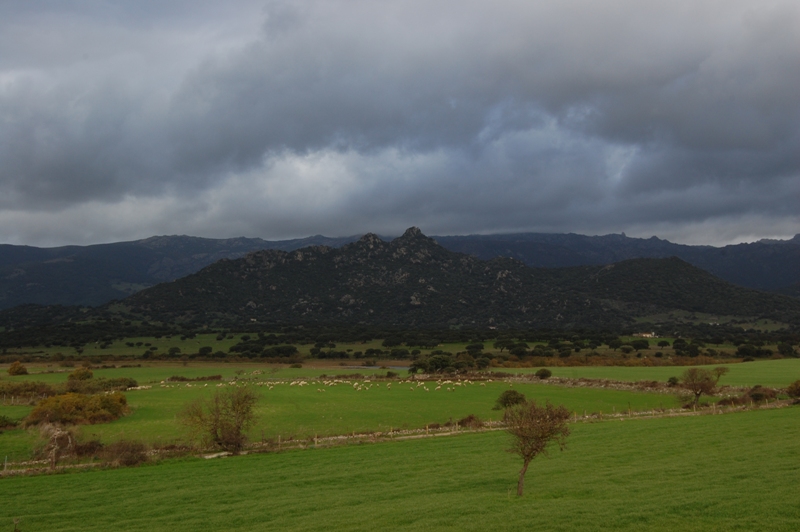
(458, 116)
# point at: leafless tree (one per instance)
(222, 419)
(533, 428)
(701, 381)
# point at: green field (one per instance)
(725, 472)
(775, 373)
(304, 411)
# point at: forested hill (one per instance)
(765, 265)
(94, 275)
(413, 281)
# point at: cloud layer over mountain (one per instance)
(119, 120)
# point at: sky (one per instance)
(121, 120)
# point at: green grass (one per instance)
(775, 373)
(155, 372)
(302, 412)
(731, 472)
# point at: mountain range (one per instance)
(413, 281)
(94, 275)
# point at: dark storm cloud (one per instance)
(282, 119)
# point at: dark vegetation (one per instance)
(517, 347)
(794, 390)
(508, 399)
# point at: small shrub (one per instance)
(673, 381)
(223, 419)
(16, 368)
(759, 393)
(471, 422)
(88, 448)
(794, 389)
(392, 374)
(125, 453)
(296, 365)
(80, 374)
(544, 373)
(508, 399)
(8, 423)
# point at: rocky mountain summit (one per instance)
(412, 281)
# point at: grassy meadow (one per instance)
(319, 408)
(775, 373)
(736, 471)
(725, 472)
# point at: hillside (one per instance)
(765, 265)
(412, 281)
(95, 275)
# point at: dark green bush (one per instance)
(8, 423)
(544, 373)
(509, 398)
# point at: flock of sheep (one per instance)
(322, 384)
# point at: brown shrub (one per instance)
(80, 374)
(794, 389)
(16, 368)
(75, 408)
(27, 389)
(471, 422)
(88, 448)
(125, 453)
(90, 386)
(759, 393)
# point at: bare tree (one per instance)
(533, 428)
(223, 419)
(701, 381)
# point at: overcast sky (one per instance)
(279, 119)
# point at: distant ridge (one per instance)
(94, 275)
(413, 281)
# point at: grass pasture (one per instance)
(774, 373)
(728, 472)
(303, 411)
